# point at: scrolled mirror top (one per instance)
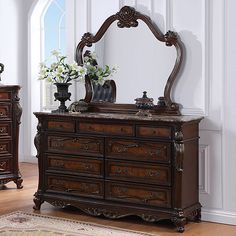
(128, 17)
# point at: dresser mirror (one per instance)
(147, 60)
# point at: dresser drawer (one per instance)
(137, 172)
(109, 129)
(5, 96)
(5, 111)
(75, 166)
(66, 126)
(152, 131)
(5, 130)
(5, 147)
(5, 166)
(138, 150)
(78, 187)
(139, 194)
(79, 145)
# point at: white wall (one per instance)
(206, 86)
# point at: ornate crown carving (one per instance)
(127, 17)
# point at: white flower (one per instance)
(55, 53)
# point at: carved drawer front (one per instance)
(138, 150)
(112, 129)
(5, 96)
(5, 130)
(5, 111)
(5, 147)
(138, 194)
(67, 126)
(78, 145)
(5, 166)
(138, 172)
(79, 166)
(79, 187)
(146, 131)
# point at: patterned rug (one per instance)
(27, 224)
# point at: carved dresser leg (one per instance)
(179, 223)
(18, 183)
(198, 215)
(38, 202)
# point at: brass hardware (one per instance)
(2, 130)
(152, 173)
(1, 148)
(1, 113)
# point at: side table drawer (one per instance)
(138, 150)
(72, 186)
(76, 166)
(110, 129)
(140, 194)
(5, 147)
(5, 110)
(5, 96)
(66, 126)
(79, 145)
(153, 174)
(5, 166)
(5, 130)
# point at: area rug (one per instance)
(27, 224)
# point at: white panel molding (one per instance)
(193, 111)
(89, 15)
(204, 169)
(169, 15)
(219, 216)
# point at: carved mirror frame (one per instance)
(128, 17)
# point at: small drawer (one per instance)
(72, 186)
(110, 129)
(66, 126)
(5, 96)
(76, 166)
(136, 172)
(139, 194)
(5, 130)
(78, 145)
(5, 166)
(138, 150)
(150, 131)
(5, 147)
(5, 111)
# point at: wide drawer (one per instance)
(5, 96)
(79, 145)
(153, 131)
(5, 147)
(5, 166)
(77, 166)
(138, 194)
(109, 129)
(5, 130)
(5, 110)
(120, 170)
(138, 150)
(66, 126)
(75, 186)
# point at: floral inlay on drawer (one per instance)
(5, 111)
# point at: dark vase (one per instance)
(62, 95)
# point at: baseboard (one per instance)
(29, 159)
(219, 216)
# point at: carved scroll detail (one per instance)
(179, 151)
(127, 17)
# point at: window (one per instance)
(53, 34)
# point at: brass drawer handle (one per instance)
(152, 173)
(2, 130)
(2, 113)
(1, 148)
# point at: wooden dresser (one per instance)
(118, 165)
(10, 114)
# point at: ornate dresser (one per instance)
(113, 162)
(10, 114)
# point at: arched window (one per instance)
(53, 32)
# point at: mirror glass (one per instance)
(144, 63)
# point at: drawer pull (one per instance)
(3, 166)
(122, 171)
(2, 114)
(124, 148)
(152, 173)
(2, 130)
(2, 148)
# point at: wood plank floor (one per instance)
(12, 199)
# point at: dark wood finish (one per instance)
(10, 114)
(104, 172)
(128, 17)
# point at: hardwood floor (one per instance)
(12, 199)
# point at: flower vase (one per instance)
(62, 95)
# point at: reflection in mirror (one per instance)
(144, 63)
